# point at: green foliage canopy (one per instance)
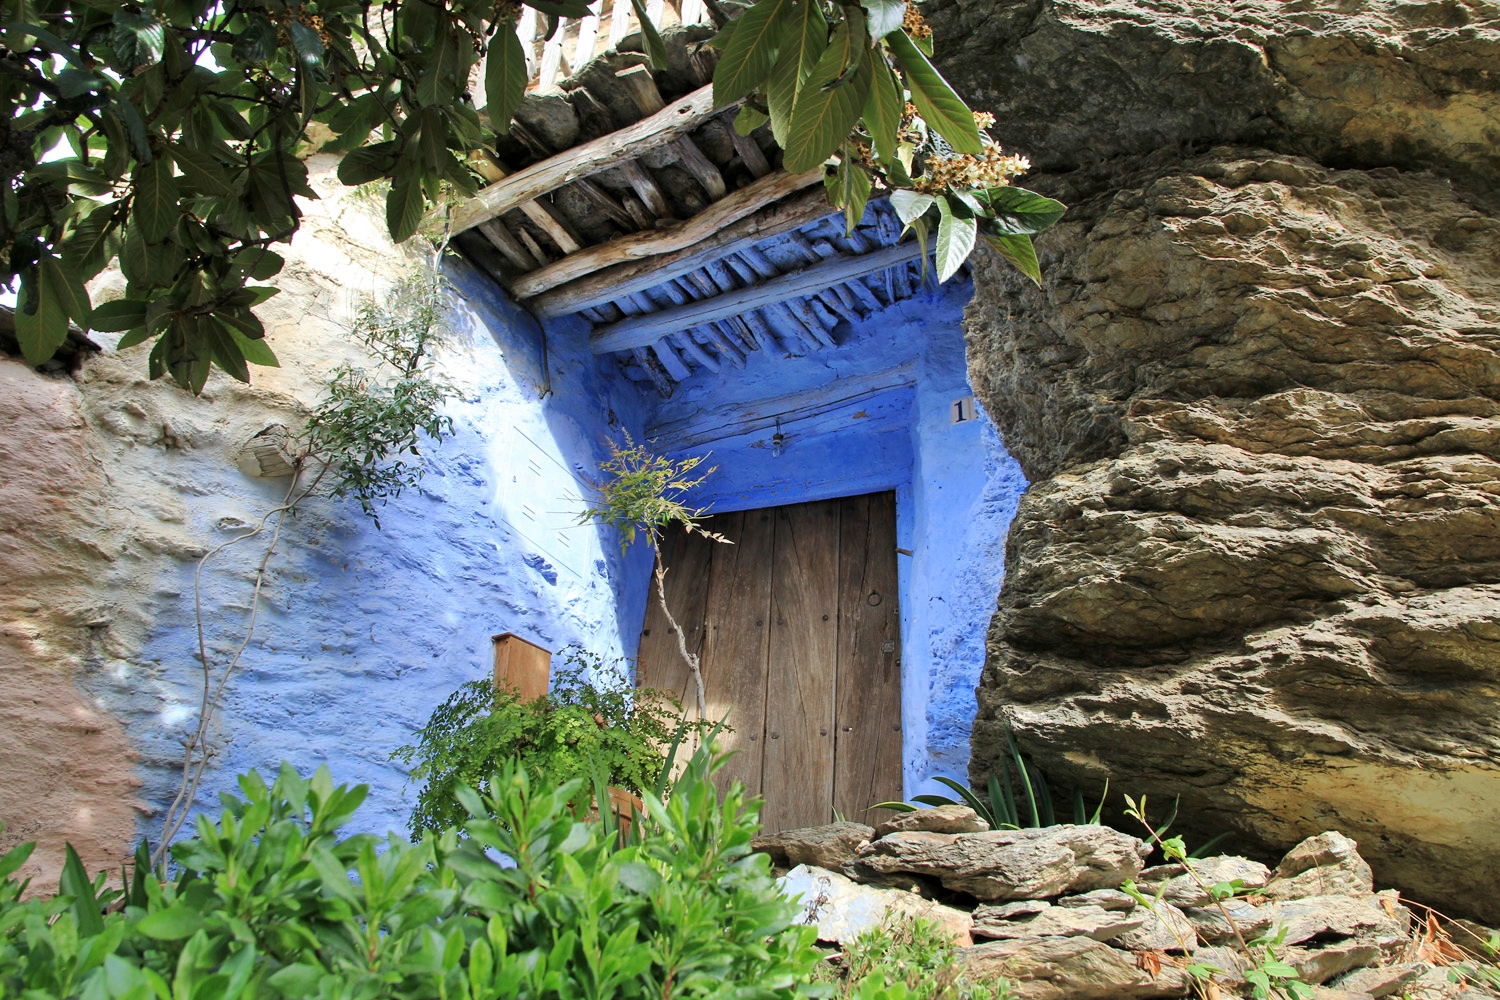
(265, 906)
(183, 124)
(575, 730)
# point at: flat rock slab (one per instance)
(1055, 921)
(1013, 864)
(1069, 968)
(828, 846)
(842, 910)
(941, 819)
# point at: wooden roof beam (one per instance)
(642, 331)
(665, 127)
(668, 238)
(611, 282)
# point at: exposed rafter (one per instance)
(669, 238)
(643, 331)
(661, 129)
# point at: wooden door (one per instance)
(798, 626)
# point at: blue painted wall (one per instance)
(364, 630)
(956, 488)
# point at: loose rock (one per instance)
(940, 819)
(1013, 864)
(1319, 866)
(828, 846)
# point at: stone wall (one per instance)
(1257, 397)
(112, 486)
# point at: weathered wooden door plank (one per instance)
(738, 641)
(867, 756)
(688, 559)
(802, 666)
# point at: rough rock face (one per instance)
(1367, 82)
(1257, 398)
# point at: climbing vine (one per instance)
(361, 440)
(641, 492)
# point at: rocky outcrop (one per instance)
(1352, 83)
(1258, 398)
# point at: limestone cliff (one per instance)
(1257, 397)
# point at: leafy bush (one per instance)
(265, 906)
(578, 729)
(913, 954)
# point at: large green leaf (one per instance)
(910, 205)
(226, 352)
(936, 102)
(752, 50)
(956, 235)
(256, 351)
(803, 44)
(171, 924)
(829, 103)
(446, 69)
(368, 163)
(202, 171)
(404, 205)
(155, 200)
(1018, 211)
(137, 38)
(118, 316)
(93, 242)
(854, 186)
(74, 881)
(70, 293)
(656, 49)
(504, 76)
(1019, 250)
(883, 107)
(42, 330)
(885, 16)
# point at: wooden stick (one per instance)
(640, 331)
(551, 57)
(520, 258)
(670, 237)
(798, 210)
(660, 129)
(643, 93)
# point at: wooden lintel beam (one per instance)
(734, 419)
(670, 237)
(660, 129)
(609, 283)
(642, 331)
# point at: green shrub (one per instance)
(575, 731)
(265, 906)
(912, 955)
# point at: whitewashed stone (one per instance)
(842, 910)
